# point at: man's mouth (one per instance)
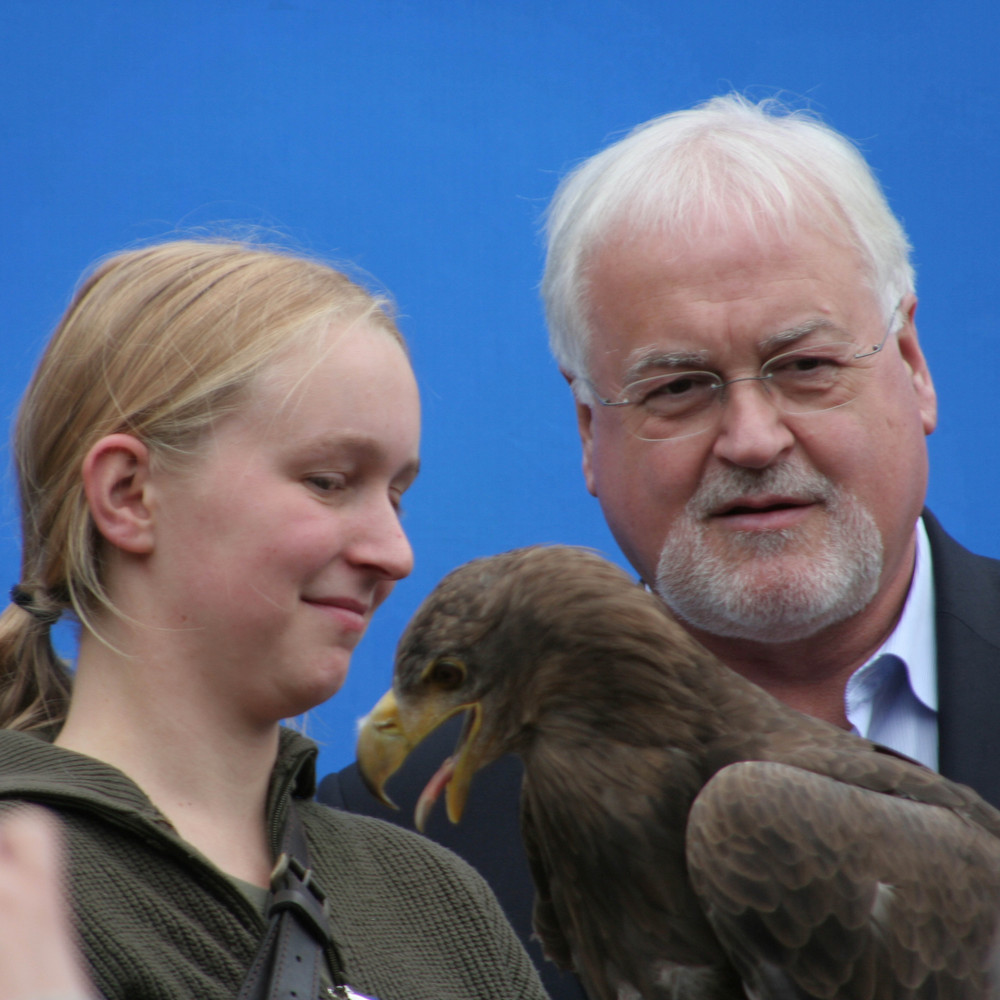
(762, 505)
(762, 514)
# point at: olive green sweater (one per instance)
(158, 921)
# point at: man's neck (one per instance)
(811, 674)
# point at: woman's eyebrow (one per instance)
(359, 447)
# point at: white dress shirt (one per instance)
(892, 699)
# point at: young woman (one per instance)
(211, 457)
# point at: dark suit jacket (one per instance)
(967, 600)
(967, 619)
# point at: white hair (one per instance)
(726, 161)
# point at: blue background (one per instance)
(421, 139)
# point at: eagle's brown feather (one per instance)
(687, 831)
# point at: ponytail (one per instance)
(34, 682)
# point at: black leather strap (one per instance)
(288, 962)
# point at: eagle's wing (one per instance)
(554, 944)
(604, 832)
(824, 889)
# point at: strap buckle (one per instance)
(344, 992)
(293, 887)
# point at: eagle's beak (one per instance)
(382, 746)
(389, 734)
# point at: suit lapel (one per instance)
(967, 602)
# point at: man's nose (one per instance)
(752, 431)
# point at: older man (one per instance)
(732, 301)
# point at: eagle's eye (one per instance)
(446, 673)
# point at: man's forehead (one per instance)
(647, 293)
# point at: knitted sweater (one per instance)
(158, 921)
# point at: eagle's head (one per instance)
(488, 641)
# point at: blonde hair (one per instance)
(158, 343)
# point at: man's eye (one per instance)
(683, 385)
(808, 363)
(808, 371)
(820, 359)
(670, 389)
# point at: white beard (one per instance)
(767, 587)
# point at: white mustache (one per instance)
(725, 486)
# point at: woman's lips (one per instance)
(351, 614)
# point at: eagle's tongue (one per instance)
(431, 793)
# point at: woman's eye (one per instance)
(326, 483)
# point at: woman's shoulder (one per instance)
(349, 835)
(393, 889)
(33, 769)
(367, 859)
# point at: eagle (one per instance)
(690, 836)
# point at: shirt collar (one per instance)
(913, 639)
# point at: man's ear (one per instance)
(116, 483)
(913, 356)
(584, 416)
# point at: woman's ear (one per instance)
(116, 483)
